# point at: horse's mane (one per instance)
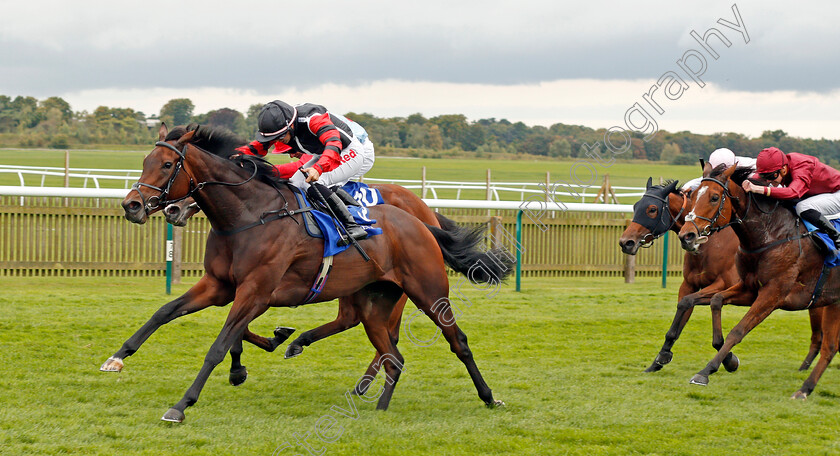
(741, 173)
(670, 182)
(221, 142)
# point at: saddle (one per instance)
(320, 225)
(824, 243)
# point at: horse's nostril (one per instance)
(134, 206)
(172, 210)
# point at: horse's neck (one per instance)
(675, 206)
(757, 229)
(229, 207)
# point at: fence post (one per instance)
(67, 175)
(489, 192)
(495, 223)
(629, 264)
(177, 252)
(423, 184)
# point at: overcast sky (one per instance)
(540, 62)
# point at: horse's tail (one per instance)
(461, 252)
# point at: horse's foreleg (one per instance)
(735, 295)
(241, 314)
(831, 318)
(760, 309)
(685, 306)
(816, 317)
(345, 320)
(207, 292)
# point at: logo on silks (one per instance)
(363, 194)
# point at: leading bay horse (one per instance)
(274, 261)
(707, 270)
(779, 266)
(180, 212)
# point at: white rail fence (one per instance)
(36, 176)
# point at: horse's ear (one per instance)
(707, 170)
(649, 183)
(673, 186)
(702, 164)
(729, 171)
(186, 137)
(162, 131)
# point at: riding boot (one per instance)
(345, 197)
(814, 217)
(353, 229)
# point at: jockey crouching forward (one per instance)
(335, 155)
(803, 177)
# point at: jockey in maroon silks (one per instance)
(803, 176)
(333, 154)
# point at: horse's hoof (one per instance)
(731, 362)
(173, 416)
(112, 365)
(805, 365)
(238, 376)
(281, 333)
(663, 358)
(495, 404)
(801, 395)
(699, 379)
(293, 350)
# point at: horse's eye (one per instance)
(651, 210)
(714, 198)
(167, 165)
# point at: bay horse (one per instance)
(777, 267)
(408, 257)
(707, 270)
(180, 212)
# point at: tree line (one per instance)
(28, 122)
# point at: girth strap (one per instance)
(320, 280)
(275, 215)
(819, 287)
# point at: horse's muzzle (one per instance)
(135, 212)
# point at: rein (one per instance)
(709, 229)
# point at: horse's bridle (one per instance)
(647, 240)
(154, 202)
(711, 228)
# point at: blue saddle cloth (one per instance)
(329, 232)
(365, 195)
(832, 259)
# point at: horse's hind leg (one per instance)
(431, 295)
(238, 373)
(345, 320)
(831, 336)
(394, 331)
(816, 337)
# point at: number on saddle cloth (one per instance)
(363, 194)
(328, 231)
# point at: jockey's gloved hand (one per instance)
(249, 149)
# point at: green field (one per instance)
(528, 169)
(566, 355)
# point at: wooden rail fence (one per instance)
(51, 236)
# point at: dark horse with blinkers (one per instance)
(707, 270)
(407, 258)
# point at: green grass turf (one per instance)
(630, 173)
(566, 355)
